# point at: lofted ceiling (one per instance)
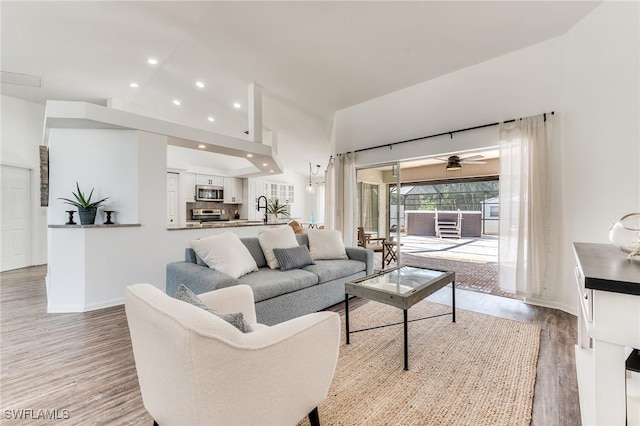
(311, 58)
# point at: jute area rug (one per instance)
(480, 370)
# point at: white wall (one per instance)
(106, 160)
(589, 76)
(22, 125)
(601, 156)
(519, 84)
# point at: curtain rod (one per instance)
(390, 145)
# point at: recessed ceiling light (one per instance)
(152, 61)
(177, 102)
(211, 119)
(264, 164)
(200, 84)
(202, 146)
(249, 155)
(134, 85)
(270, 171)
(236, 105)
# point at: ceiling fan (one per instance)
(455, 162)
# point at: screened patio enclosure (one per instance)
(477, 196)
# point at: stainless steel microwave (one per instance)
(209, 193)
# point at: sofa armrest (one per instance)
(363, 255)
(238, 298)
(197, 278)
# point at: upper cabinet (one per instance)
(284, 192)
(209, 180)
(233, 191)
(187, 187)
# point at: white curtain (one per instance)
(340, 196)
(525, 202)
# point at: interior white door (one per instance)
(15, 220)
(173, 198)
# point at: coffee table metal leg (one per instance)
(406, 341)
(346, 316)
(453, 300)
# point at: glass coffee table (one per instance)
(402, 287)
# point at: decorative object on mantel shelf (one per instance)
(70, 213)
(86, 208)
(108, 219)
(625, 234)
(274, 208)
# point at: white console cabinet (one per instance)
(608, 287)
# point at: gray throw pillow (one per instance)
(293, 258)
(236, 319)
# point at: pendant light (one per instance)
(310, 189)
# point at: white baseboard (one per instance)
(105, 304)
(61, 309)
(64, 309)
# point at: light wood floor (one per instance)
(83, 362)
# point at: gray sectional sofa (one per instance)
(279, 295)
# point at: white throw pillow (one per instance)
(280, 237)
(225, 253)
(325, 244)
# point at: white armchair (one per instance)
(195, 368)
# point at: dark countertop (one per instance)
(98, 225)
(606, 268)
(226, 224)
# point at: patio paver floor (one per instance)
(474, 260)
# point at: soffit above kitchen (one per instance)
(261, 159)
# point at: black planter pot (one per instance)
(87, 216)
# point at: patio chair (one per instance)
(376, 244)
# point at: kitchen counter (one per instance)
(226, 224)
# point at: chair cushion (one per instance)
(235, 319)
(226, 253)
(328, 270)
(325, 244)
(268, 283)
(293, 258)
(280, 237)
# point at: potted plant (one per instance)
(87, 209)
(274, 208)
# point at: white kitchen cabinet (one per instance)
(187, 195)
(291, 194)
(256, 189)
(284, 192)
(233, 190)
(271, 190)
(209, 180)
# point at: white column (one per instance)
(274, 142)
(255, 112)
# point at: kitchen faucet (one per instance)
(263, 207)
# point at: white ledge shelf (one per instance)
(115, 225)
